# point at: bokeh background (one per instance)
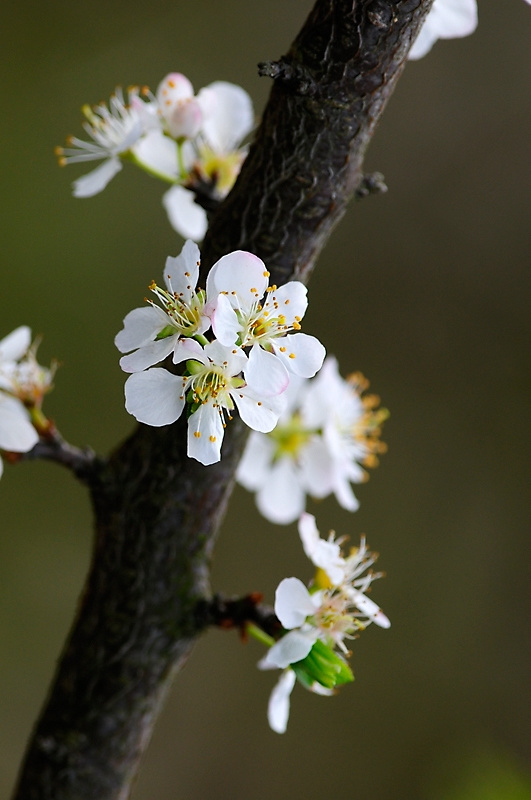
(427, 290)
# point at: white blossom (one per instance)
(113, 129)
(155, 331)
(17, 434)
(335, 608)
(332, 613)
(213, 383)
(250, 313)
(324, 441)
(447, 19)
(214, 156)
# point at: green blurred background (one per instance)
(426, 290)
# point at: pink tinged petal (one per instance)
(97, 180)
(182, 272)
(17, 434)
(281, 499)
(293, 603)
(255, 465)
(370, 609)
(260, 414)
(148, 355)
(279, 701)
(14, 345)
(292, 299)
(157, 153)
(174, 87)
(205, 434)
(265, 374)
(141, 327)
(224, 321)
(186, 217)
(303, 354)
(242, 276)
(186, 348)
(293, 647)
(228, 115)
(154, 397)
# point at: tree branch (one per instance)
(157, 512)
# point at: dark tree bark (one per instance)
(157, 512)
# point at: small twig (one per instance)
(83, 462)
(236, 612)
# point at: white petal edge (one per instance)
(279, 702)
(154, 397)
(96, 181)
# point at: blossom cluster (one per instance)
(257, 348)
(318, 620)
(23, 384)
(326, 437)
(187, 140)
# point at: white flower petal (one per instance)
(141, 326)
(323, 554)
(293, 647)
(14, 345)
(186, 217)
(205, 434)
(370, 609)
(253, 469)
(264, 373)
(281, 498)
(227, 115)
(291, 299)
(242, 276)
(303, 354)
(293, 603)
(148, 355)
(157, 153)
(259, 413)
(447, 19)
(279, 701)
(17, 434)
(154, 397)
(224, 321)
(182, 272)
(95, 181)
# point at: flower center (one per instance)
(290, 438)
(186, 317)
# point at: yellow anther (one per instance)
(291, 355)
(212, 438)
(197, 434)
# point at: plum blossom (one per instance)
(250, 313)
(190, 141)
(17, 434)
(325, 440)
(211, 387)
(319, 619)
(214, 157)
(447, 19)
(114, 130)
(154, 332)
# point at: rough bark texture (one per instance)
(157, 512)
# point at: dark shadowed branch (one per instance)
(156, 511)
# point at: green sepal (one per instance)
(169, 330)
(324, 666)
